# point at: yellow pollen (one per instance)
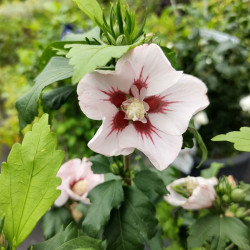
(134, 109)
(80, 187)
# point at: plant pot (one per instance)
(238, 167)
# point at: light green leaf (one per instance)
(217, 230)
(213, 170)
(200, 142)
(54, 220)
(241, 139)
(57, 69)
(28, 181)
(69, 239)
(92, 9)
(104, 198)
(86, 58)
(133, 224)
(57, 97)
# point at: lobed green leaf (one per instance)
(217, 230)
(86, 58)
(69, 239)
(28, 181)
(104, 198)
(241, 139)
(132, 224)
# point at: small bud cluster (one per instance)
(231, 198)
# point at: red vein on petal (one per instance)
(118, 123)
(116, 96)
(140, 82)
(159, 104)
(146, 130)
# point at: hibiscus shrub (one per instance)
(116, 199)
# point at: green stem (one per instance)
(126, 163)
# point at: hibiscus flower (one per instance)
(77, 180)
(144, 104)
(192, 192)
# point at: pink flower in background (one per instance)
(198, 192)
(145, 104)
(77, 180)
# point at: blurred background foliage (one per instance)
(211, 38)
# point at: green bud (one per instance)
(241, 212)
(114, 168)
(225, 198)
(238, 195)
(224, 186)
(2, 241)
(121, 40)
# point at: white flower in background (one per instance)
(185, 161)
(192, 192)
(200, 119)
(77, 180)
(245, 103)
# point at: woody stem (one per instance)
(126, 163)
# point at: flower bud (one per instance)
(241, 212)
(225, 198)
(231, 181)
(114, 168)
(2, 240)
(192, 192)
(238, 195)
(121, 40)
(224, 186)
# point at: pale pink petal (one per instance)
(151, 67)
(179, 103)
(200, 199)
(62, 199)
(106, 142)
(174, 198)
(101, 92)
(160, 148)
(68, 169)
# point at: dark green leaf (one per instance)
(104, 198)
(86, 58)
(217, 229)
(156, 242)
(1, 224)
(148, 181)
(171, 56)
(28, 181)
(92, 9)
(69, 239)
(54, 220)
(200, 142)
(170, 174)
(241, 139)
(57, 97)
(132, 224)
(57, 69)
(101, 164)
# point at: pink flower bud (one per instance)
(196, 192)
(77, 180)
